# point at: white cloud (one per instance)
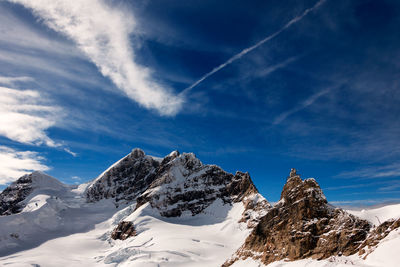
(14, 164)
(102, 33)
(13, 80)
(24, 117)
(25, 38)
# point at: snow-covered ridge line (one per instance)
(177, 211)
(216, 211)
(378, 215)
(13, 199)
(176, 184)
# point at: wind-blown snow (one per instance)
(378, 215)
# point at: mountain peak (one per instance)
(176, 185)
(174, 154)
(296, 189)
(125, 179)
(13, 198)
(301, 225)
(293, 173)
(171, 156)
(137, 153)
(186, 186)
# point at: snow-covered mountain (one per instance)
(177, 211)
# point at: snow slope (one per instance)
(378, 215)
(203, 240)
(51, 210)
(60, 226)
(206, 239)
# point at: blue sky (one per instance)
(82, 83)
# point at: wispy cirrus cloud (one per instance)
(255, 46)
(14, 164)
(364, 202)
(24, 117)
(12, 80)
(22, 36)
(373, 172)
(103, 34)
(306, 103)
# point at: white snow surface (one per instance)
(70, 232)
(378, 215)
(206, 239)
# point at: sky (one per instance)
(257, 86)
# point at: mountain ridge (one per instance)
(141, 198)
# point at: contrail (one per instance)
(251, 48)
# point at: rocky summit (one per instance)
(176, 184)
(125, 179)
(302, 225)
(185, 185)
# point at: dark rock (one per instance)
(177, 184)
(184, 184)
(126, 179)
(123, 231)
(11, 199)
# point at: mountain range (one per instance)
(177, 211)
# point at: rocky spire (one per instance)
(293, 173)
(301, 225)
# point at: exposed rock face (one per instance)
(303, 225)
(376, 235)
(123, 231)
(185, 185)
(11, 199)
(126, 179)
(178, 184)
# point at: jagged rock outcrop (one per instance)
(301, 225)
(11, 199)
(376, 235)
(177, 184)
(126, 179)
(123, 231)
(185, 185)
